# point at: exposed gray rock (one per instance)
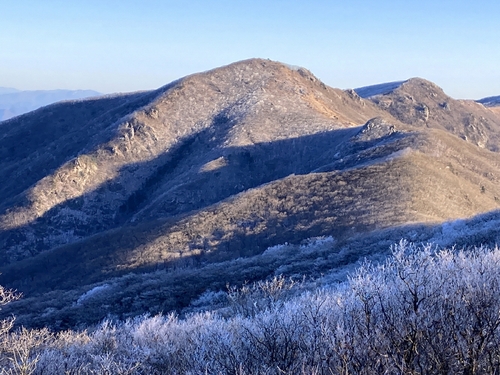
(374, 129)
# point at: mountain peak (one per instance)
(422, 87)
(411, 84)
(421, 103)
(148, 155)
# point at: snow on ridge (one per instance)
(490, 101)
(380, 89)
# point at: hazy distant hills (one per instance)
(7, 90)
(15, 102)
(186, 186)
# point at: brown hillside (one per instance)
(98, 164)
(495, 110)
(421, 103)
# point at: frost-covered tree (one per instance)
(421, 311)
(6, 296)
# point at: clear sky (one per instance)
(126, 45)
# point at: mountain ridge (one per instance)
(492, 103)
(221, 165)
(136, 137)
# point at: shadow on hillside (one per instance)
(56, 134)
(245, 168)
(107, 254)
(176, 287)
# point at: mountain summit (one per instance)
(219, 166)
(98, 164)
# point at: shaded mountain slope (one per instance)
(380, 89)
(193, 288)
(421, 103)
(397, 178)
(34, 145)
(491, 101)
(208, 172)
(381, 188)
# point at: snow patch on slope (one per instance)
(380, 89)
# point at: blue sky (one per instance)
(125, 45)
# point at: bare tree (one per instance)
(7, 296)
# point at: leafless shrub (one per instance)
(421, 311)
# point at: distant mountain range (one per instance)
(155, 197)
(7, 90)
(15, 102)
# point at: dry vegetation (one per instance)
(495, 110)
(424, 105)
(99, 164)
(421, 311)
